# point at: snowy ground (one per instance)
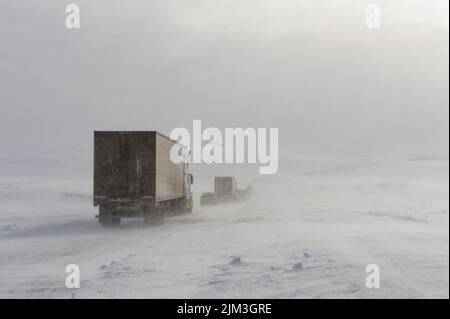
(334, 213)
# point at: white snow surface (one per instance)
(333, 213)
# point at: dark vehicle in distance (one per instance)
(225, 188)
(134, 176)
(208, 199)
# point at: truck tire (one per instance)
(109, 220)
(153, 216)
(181, 206)
(105, 218)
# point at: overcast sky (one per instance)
(311, 68)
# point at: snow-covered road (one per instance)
(331, 215)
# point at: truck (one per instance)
(134, 176)
(225, 188)
(208, 199)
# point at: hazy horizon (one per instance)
(312, 69)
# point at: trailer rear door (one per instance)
(124, 165)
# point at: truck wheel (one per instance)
(181, 206)
(115, 221)
(109, 220)
(106, 219)
(153, 216)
